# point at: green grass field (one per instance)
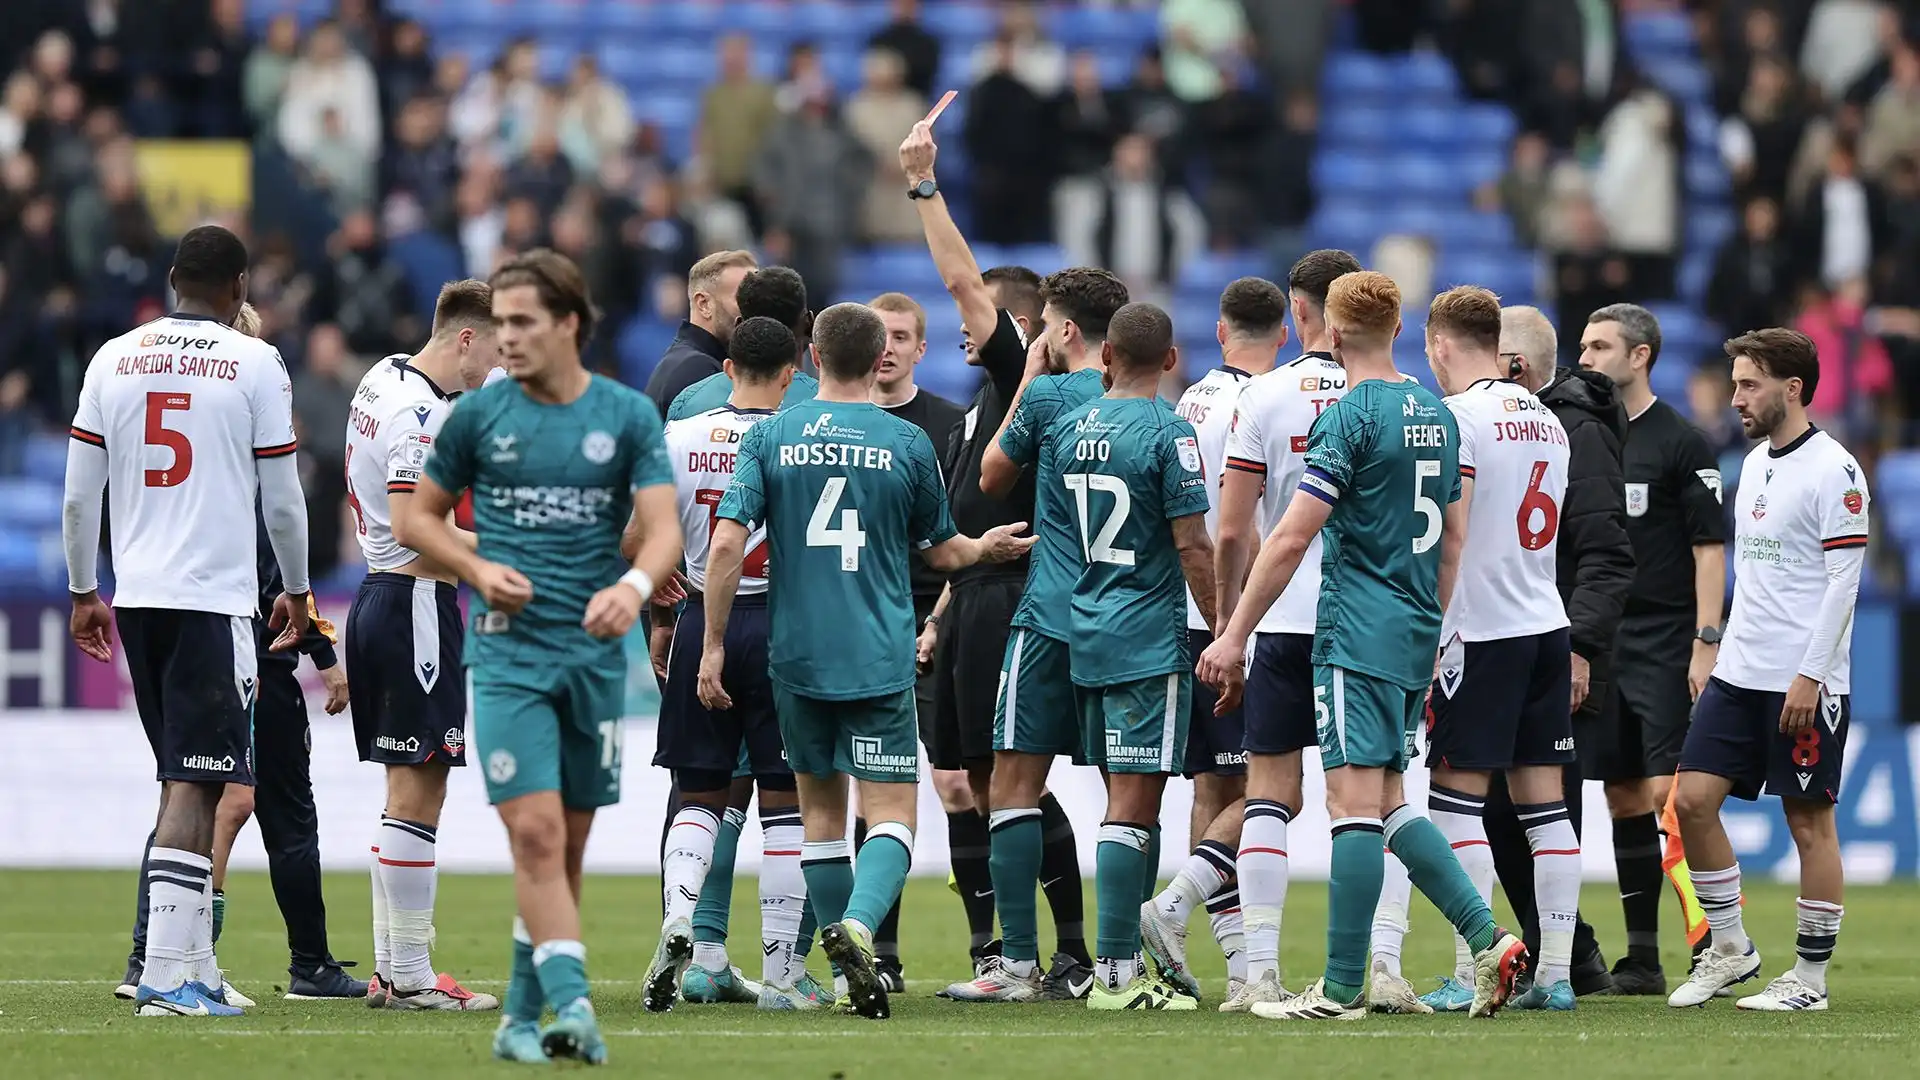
(63, 938)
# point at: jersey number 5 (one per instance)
(159, 434)
(1538, 502)
(755, 564)
(1424, 505)
(1098, 546)
(848, 537)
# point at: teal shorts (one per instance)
(557, 730)
(1364, 721)
(876, 738)
(1034, 710)
(1138, 726)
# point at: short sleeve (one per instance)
(1333, 446)
(272, 403)
(652, 465)
(682, 405)
(1038, 407)
(450, 460)
(1697, 473)
(1183, 476)
(411, 443)
(932, 521)
(1843, 506)
(1246, 440)
(1454, 432)
(1466, 440)
(746, 498)
(89, 420)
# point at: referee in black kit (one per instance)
(282, 796)
(1670, 634)
(1000, 313)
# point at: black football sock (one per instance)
(968, 845)
(1060, 879)
(1636, 856)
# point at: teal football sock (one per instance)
(1016, 846)
(562, 968)
(1359, 869)
(716, 895)
(1120, 864)
(880, 873)
(1419, 844)
(523, 1000)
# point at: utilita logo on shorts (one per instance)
(205, 763)
(867, 755)
(408, 745)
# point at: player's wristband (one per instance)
(641, 583)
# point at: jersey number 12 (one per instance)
(848, 537)
(1097, 546)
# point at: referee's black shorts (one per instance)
(967, 656)
(1651, 707)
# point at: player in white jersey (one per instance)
(1260, 468)
(188, 421)
(1776, 710)
(703, 746)
(1503, 688)
(404, 640)
(1251, 330)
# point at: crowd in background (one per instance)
(1205, 144)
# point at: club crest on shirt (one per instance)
(1854, 500)
(1759, 507)
(1189, 449)
(1636, 500)
(597, 447)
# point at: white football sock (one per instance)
(1262, 864)
(409, 874)
(382, 925)
(1207, 869)
(1390, 917)
(1819, 929)
(783, 895)
(1229, 931)
(1719, 894)
(201, 965)
(1556, 884)
(179, 885)
(689, 853)
(1459, 817)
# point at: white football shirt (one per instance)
(397, 413)
(1796, 515)
(1208, 406)
(703, 448)
(184, 405)
(1515, 451)
(1268, 437)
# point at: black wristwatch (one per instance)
(924, 189)
(1707, 635)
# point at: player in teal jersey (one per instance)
(1381, 464)
(1132, 473)
(555, 459)
(778, 293)
(846, 490)
(1034, 717)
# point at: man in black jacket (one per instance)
(701, 345)
(1595, 572)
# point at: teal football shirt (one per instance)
(847, 491)
(552, 489)
(714, 391)
(1129, 467)
(1387, 457)
(1057, 558)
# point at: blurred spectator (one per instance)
(1892, 31)
(1854, 368)
(735, 114)
(1758, 143)
(542, 173)
(68, 158)
(51, 61)
(359, 23)
(522, 227)
(496, 111)
(405, 69)
(1752, 276)
(364, 291)
(1893, 119)
(1587, 274)
(805, 77)
(263, 81)
(329, 78)
(1152, 109)
(1838, 219)
(1021, 50)
(1230, 132)
(880, 114)
(1010, 141)
(1637, 188)
(1289, 166)
(36, 259)
(420, 169)
(19, 351)
(1201, 40)
(104, 41)
(1840, 45)
(595, 120)
(1145, 226)
(476, 200)
(338, 164)
(1408, 260)
(322, 400)
(19, 113)
(1090, 118)
(915, 46)
(810, 224)
(279, 289)
(211, 78)
(1749, 31)
(1522, 190)
(1709, 406)
(664, 242)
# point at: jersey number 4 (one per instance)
(755, 564)
(848, 537)
(159, 434)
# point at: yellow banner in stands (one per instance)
(193, 182)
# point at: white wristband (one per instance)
(641, 583)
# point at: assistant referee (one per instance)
(1670, 634)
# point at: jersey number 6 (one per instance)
(1538, 502)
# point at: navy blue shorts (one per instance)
(195, 675)
(1736, 735)
(696, 740)
(1278, 706)
(1503, 704)
(404, 675)
(1213, 742)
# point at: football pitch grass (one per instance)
(63, 939)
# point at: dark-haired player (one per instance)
(1774, 714)
(845, 491)
(403, 642)
(772, 292)
(189, 420)
(557, 460)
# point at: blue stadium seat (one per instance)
(1706, 173)
(1042, 259)
(1208, 272)
(1489, 231)
(1427, 76)
(1424, 125)
(1102, 28)
(950, 20)
(1709, 228)
(19, 555)
(429, 261)
(1686, 79)
(1513, 276)
(1658, 33)
(1485, 125)
(1349, 125)
(1359, 76)
(948, 375)
(1696, 272)
(692, 19)
(29, 504)
(45, 457)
